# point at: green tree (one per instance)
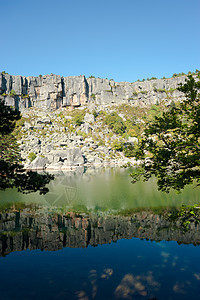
(12, 173)
(79, 118)
(170, 147)
(115, 123)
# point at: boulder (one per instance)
(89, 118)
(69, 157)
(39, 163)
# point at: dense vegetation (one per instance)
(12, 173)
(170, 147)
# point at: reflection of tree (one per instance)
(12, 173)
(186, 215)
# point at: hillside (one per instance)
(73, 121)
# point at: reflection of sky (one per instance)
(102, 189)
(128, 269)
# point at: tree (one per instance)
(115, 123)
(170, 148)
(12, 173)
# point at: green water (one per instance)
(102, 190)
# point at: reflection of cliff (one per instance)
(36, 230)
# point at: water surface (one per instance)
(97, 236)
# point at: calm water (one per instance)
(97, 236)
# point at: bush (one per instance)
(12, 93)
(129, 150)
(78, 118)
(20, 122)
(32, 156)
(25, 96)
(115, 123)
(95, 114)
(117, 145)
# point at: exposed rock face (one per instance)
(28, 229)
(68, 157)
(39, 163)
(57, 159)
(53, 91)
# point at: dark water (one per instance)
(97, 236)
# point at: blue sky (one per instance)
(124, 40)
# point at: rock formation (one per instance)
(53, 91)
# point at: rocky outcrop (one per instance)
(58, 159)
(36, 229)
(53, 91)
(39, 163)
(57, 142)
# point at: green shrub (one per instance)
(32, 156)
(117, 145)
(20, 122)
(93, 96)
(12, 93)
(95, 114)
(25, 96)
(67, 122)
(78, 118)
(129, 150)
(115, 123)
(144, 92)
(61, 115)
(82, 133)
(101, 142)
(171, 90)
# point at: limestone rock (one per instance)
(69, 157)
(38, 163)
(51, 92)
(89, 118)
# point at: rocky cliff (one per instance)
(29, 229)
(53, 91)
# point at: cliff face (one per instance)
(27, 229)
(53, 91)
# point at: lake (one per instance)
(97, 236)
